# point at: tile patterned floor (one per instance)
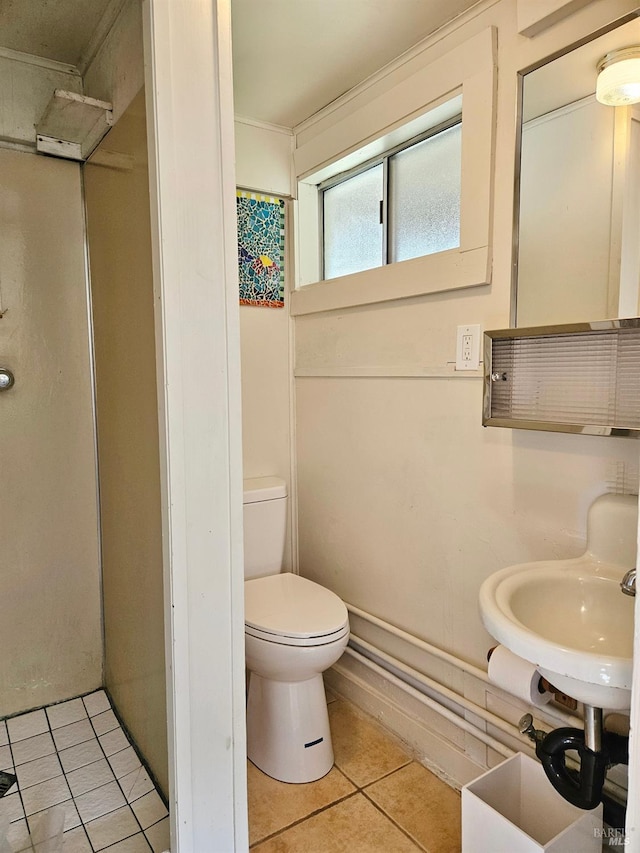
(376, 798)
(75, 755)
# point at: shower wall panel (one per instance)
(117, 199)
(50, 631)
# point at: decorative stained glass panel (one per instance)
(260, 249)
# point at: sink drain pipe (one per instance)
(581, 785)
(597, 750)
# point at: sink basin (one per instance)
(570, 619)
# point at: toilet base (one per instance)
(288, 735)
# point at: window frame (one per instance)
(416, 93)
(329, 184)
(380, 159)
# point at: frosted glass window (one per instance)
(413, 190)
(353, 234)
(424, 196)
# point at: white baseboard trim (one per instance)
(435, 742)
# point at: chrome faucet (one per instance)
(628, 583)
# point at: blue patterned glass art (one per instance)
(260, 249)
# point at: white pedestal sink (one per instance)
(569, 617)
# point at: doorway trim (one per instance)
(187, 48)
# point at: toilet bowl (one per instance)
(294, 630)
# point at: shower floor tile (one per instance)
(76, 756)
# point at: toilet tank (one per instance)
(265, 524)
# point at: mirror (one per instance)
(578, 248)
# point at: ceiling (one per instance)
(290, 57)
(54, 29)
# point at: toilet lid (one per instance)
(290, 606)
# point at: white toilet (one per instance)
(294, 630)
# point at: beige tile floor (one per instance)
(376, 798)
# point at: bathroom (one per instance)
(374, 433)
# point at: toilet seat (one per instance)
(281, 639)
(290, 610)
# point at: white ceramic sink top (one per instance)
(570, 619)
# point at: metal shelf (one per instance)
(581, 378)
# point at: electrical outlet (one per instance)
(468, 347)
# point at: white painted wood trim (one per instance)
(443, 271)
(291, 333)
(27, 147)
(265, 125)
(534, 16)
(633, 800)
(470, 65)
(447, 371)
(39, 61)
(470, 68)
(192, 180)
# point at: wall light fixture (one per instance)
(618, 81)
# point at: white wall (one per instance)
(263, 163)
(263, 157)
(406, 504)
(25, 91)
